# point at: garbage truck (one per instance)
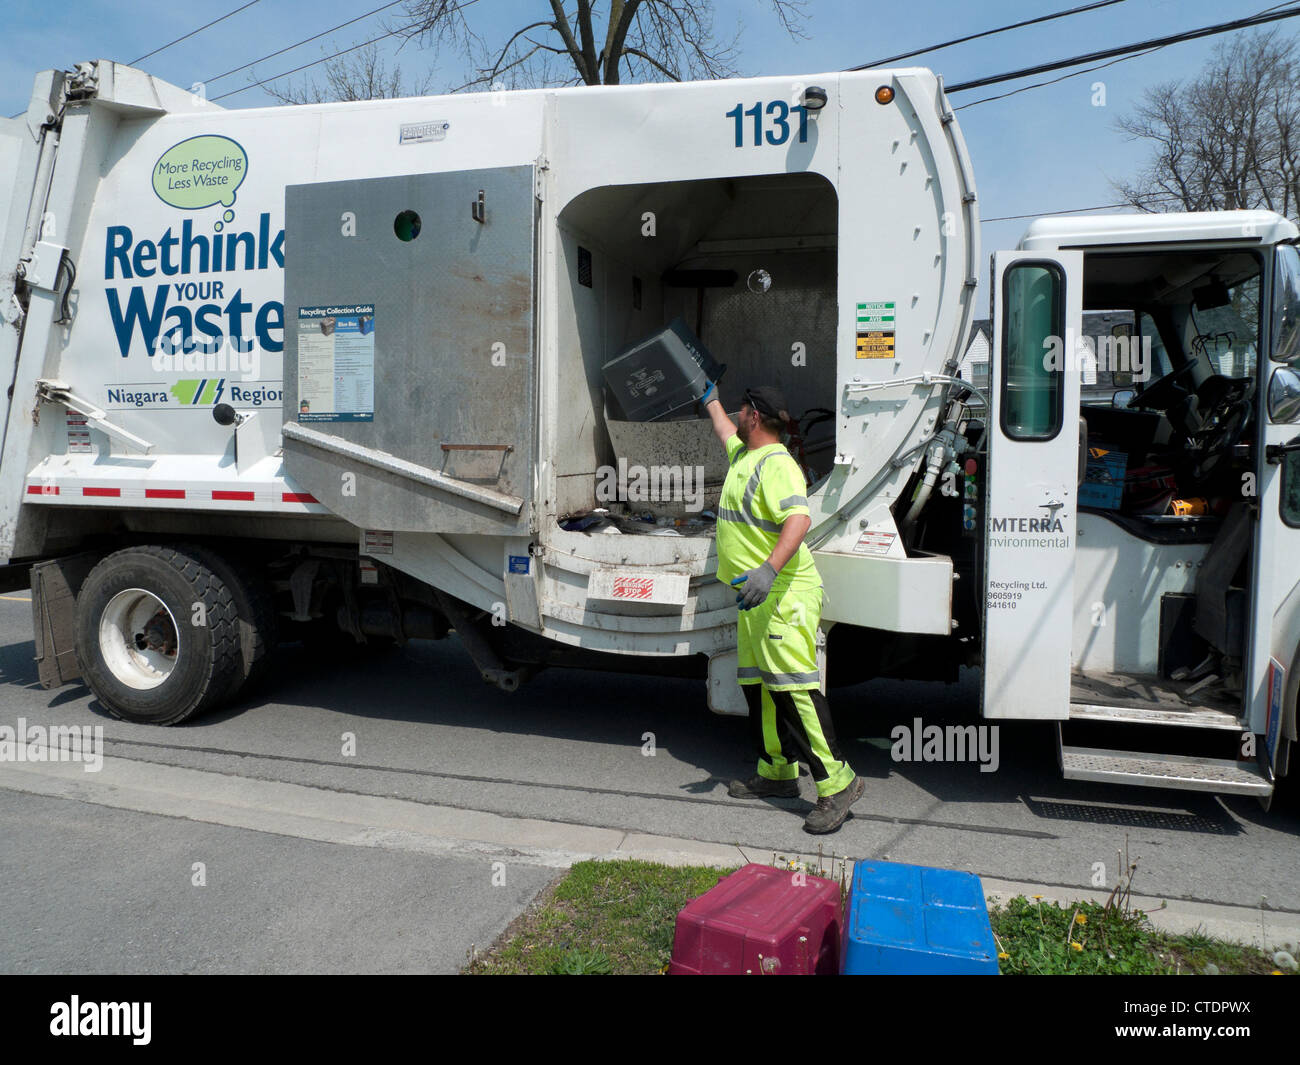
(339, 371)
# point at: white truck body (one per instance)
(441, 442)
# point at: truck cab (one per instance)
(1144, 495)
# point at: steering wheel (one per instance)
(1163, 391)
(1224, 427)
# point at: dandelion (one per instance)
(1076, 946)
(1081, 918)
(1003, 956)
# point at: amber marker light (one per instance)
(884, 95)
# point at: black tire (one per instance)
(255, 612)
(204, 661)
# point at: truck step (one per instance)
(1191, 717)
(1165, 771)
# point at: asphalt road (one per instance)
(572, 747)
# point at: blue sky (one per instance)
(1044, 150)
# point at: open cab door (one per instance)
(1275, 635)
(1034, 469)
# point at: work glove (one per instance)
(758, 582)
(710, 393)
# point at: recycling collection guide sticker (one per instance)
(874, 327)
(336, 363)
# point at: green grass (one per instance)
(603, 917)
(1039, 938)
(618, 917)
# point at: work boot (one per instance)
(831, 810)
(757, 787)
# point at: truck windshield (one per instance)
(1228, 334)
(1160, 363)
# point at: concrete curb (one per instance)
(360, 820)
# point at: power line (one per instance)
(1087, 70)
(1055, 81)
(1164, 196)
(306, 40)
(1123, 50)
(987, 33)
(228, 14)
(325, 59)
(305, 66)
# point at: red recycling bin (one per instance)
(761, 920)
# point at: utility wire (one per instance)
(306, 40)
(1089, 70)
(1124, 50)
(325, 59)
(987, 33)
(1164, 196)
(305, 66)
(228, 14)
(1054, 81)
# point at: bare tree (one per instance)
(1228, 139)
(568, 43)
(362, 76)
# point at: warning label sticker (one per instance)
(875, 543)
(378, 542)
(874, 326)
(78, 434)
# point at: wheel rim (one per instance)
(139, 639)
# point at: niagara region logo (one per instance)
(199, 392)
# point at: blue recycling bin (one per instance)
(913, 920)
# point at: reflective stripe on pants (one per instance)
(793, 726)
(777, 640)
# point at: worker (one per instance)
(763, 517)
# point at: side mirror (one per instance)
(1123, 397)
(1284, 396)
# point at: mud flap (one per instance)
(725, 696)
(55, 585)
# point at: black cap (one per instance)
(768, 401)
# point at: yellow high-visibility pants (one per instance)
(790, 720)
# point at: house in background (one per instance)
(974, 365)
(1098, 385)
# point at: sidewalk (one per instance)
(357, 820)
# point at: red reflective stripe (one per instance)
(42, 489)
(101, 491)
(240, 496)
(164, 493)
(300, 497)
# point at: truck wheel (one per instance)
(158, 636)
(255, 611)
